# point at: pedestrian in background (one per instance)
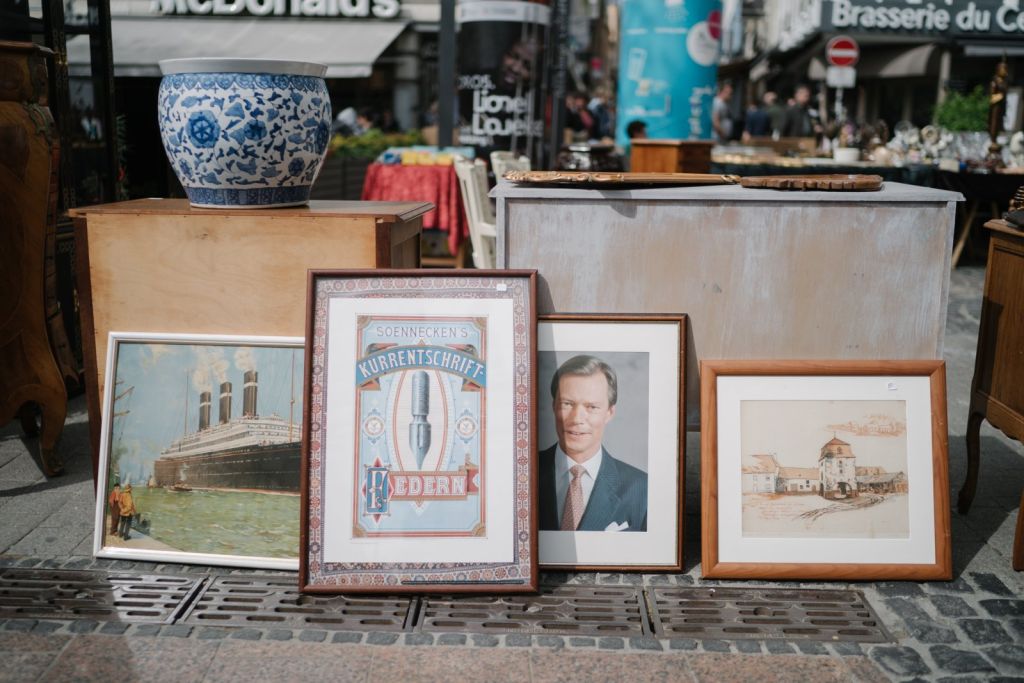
(759, 121)
(798, 122)
(721, 116)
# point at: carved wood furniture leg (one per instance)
(55, 409)
(966, 496)
(1018, 538)
(27, 415)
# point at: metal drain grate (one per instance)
(70, 594)
(268, 602)
(765, 614)
(557, 610)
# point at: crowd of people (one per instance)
(767, 118)
(593, 118)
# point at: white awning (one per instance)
(878, 61)
(348, 48)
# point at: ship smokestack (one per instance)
(251, 380)
(225, 402)
(204, 410)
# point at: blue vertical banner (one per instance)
(668, 63)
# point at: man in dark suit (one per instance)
(582, 487)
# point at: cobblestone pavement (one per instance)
(970, 629)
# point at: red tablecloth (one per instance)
(436, 184)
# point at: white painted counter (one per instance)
(761, 273)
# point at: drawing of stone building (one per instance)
(877, 480)
(798, 480)
(838, 470)
(760, 473)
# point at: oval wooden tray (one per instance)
(828, 182)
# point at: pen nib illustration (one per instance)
(419, 428)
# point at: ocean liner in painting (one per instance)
(252, 451)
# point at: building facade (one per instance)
(838, 470)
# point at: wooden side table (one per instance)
(670, 156)
(997, 391)
(160, 265)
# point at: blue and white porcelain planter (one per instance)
(244, 133)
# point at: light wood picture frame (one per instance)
(418, 473)
(824, 470)
(624, 419)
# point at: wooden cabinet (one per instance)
(670, 156)
(762, 273)
(159, 265)
(29, 373)
(997, 391)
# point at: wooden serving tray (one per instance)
(828, 182)
(604, 178)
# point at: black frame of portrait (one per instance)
(679, 319)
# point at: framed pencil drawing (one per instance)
(611, 436)
(830, 470)
(417, 467)
(200, 450)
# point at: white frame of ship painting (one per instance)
(418, 468)
(157, 553)
(789, 449)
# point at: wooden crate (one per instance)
(159, 265)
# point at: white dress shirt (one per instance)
(563, 477)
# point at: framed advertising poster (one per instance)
(200, 450)
(611, 441)
(827, 470)
(418, 472)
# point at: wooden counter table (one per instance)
(762, 273)
(997, 390)
(159, 265)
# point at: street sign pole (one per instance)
(842, 53)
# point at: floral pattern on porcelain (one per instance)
(245, 139)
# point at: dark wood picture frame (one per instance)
(675, 564)
(506, 347)
(711, 565)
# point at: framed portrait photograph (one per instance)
(200, 450)
(611, 441)
(824, 470)
(418, 468)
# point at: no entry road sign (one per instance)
(842, 51)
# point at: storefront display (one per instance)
(418, 469)
(825, 470)
(611, 441)
(187, 472)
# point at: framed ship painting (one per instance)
(611, 441)
(418, 473)
(824, 470)
(200, 450)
